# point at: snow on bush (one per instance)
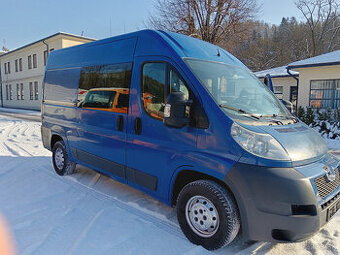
(326, 122)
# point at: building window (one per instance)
(5, 64)
(36, 91)
(293, 95)
(20, 64)
(8, 67)
(35, 61)
(278, 91)
(45, 57)
(18, 91)
(325, 94)
(29, 63)
(10, 92)
(7, 93)
(22, 91)
(31, 90)
(16, 66)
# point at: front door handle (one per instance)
(138, 126)
(120, 123)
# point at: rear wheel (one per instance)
(207, 214)
(61, 163)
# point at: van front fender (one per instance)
(211, 165)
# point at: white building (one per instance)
(319, 80)
(22, 70)
(317, 85)
(284, 84)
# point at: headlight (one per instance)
(262, 145)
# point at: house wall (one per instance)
(67, 42)
(314, 73)
(30, 75)
(286, 83)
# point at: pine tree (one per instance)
(309, 117)
(300, 113)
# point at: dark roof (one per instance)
(327, 59)
(276, 72)
(45, 38)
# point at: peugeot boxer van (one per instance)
(193, 128)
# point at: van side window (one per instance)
(105, 87)
(159, 79)
(153, 89)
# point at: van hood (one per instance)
(300, 141)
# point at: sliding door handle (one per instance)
(120, 123)
(138, 126)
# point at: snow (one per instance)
(87, 213)
(327, 58)
(280, 71)
(20, 111)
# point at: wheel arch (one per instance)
(186, 176)
(55, 138)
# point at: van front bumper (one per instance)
(280, 204)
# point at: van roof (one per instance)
(150, 42)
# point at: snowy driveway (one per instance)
(88, 213)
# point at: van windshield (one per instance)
(237, 90)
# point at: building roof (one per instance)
(45, 38)
(276, 72)
(328, 59)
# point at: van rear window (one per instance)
(105, 87)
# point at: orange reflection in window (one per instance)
(105, 99)
(155, 110)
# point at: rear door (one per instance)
(103, 101)
(151, 145)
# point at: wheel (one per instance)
(61, 163)
(207, 214)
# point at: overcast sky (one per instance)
(23, 21)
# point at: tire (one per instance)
(207, 214)
(61, 163)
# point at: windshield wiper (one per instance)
(239, 110)
(294, 119)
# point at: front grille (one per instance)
(326, 187)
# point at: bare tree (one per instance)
(210, 20)
(323, 20)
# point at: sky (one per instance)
(23, 21)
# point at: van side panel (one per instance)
(90, 135)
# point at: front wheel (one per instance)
(61, 163)
(207, 214)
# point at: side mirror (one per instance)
(176, 110)
(289, 105)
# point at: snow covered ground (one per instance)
(88, 213)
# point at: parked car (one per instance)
(106, 99)
(199, 132)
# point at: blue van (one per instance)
(187, 123)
